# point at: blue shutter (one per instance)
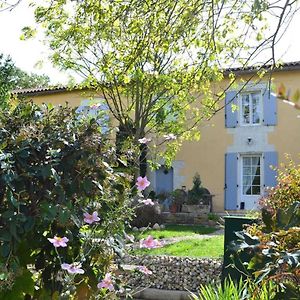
(270, 108)
(270, 159)
(231, 177)
(231, 117)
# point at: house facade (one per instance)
(239, 146)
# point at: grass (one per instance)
(207, 247)
(177, 230)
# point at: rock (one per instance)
(156, 226)
(142, 229)
(162, 226)
(135, 229)
(174, 273)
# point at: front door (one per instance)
(251, 181)
(164, 180)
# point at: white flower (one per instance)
(147, 202)
(144, 140)
(170, 137)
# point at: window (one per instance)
(251, 108)
(251, 175)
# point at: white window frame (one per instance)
(241, 196)
(242, 156)
(260, 108)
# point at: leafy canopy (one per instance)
(154, 61)
(11, 77)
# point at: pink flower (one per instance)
(74, 268)
(144, 140)
(142, 183)
(90, 219)
(147, 202)
(106, 283)
(59, 241)
(150, 243)
(144, 270)
(170, 137)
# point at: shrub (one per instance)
(275, 243)
(179, 196)
(231, 290)
(197, 192)
(55, 167)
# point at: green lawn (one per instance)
(177, 230)
(208, 247)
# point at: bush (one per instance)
(54, 168)
(275, 243)
(179, 196)
(287, 190)
(231, 290)
(197, 193)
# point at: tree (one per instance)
(156, 61)
(11, 77)
(23, 80)
(6, 76)
(8, 5)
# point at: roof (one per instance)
(42, 90)
(295, 65)
(290, 66)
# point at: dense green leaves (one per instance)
(157, 63)
(54, 167)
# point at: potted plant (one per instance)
(179, 196)
(197, 197)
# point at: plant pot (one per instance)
(173, 208)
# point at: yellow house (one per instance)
(237, 147)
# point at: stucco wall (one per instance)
(207, 156)
(286, 135)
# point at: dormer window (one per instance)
(251, 108)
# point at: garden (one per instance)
(63, 190)
(183, 240)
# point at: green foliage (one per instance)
(197, 192)
(54, 167)
(24, 80)
(6, 75)
(213, 217)
(275, 244)
(153, 59)
(11, 77)
(287, 190)
(231, 290)
(179, 196)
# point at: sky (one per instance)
(26, 54)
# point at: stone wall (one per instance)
(173, 273)
(187, 218)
